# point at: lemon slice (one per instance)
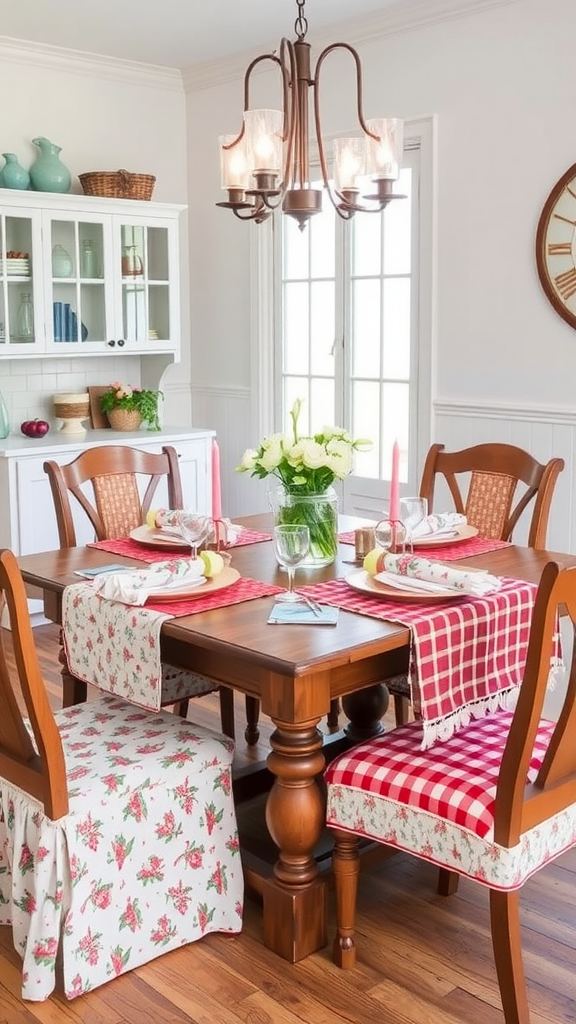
(213, 562)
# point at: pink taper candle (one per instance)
(394, 511)
(216, 486)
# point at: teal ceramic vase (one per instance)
(13, 175)
(48, 173)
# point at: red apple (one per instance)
(35, 428)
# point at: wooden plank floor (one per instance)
(422, 959)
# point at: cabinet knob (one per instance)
(121, 343)
(112, 343)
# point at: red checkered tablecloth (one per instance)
(466, 658)
(133, 549)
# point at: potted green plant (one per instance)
(128, 406)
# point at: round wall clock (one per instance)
(556, 246)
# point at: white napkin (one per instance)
(465, 581)
(444, 524)
(166, 527)
(179, 576)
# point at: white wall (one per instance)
(105, 115)
(500, 82)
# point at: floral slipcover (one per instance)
(439, 803)
(146, 860)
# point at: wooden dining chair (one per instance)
(494, 485)
(115, 485)
(118, 833)
(495, 803)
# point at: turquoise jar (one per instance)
(13, 174)
(48, 173)
(4, 418)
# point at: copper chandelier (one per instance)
(266, 165)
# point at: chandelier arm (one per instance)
(359, 89)
(343, 205)
(289, 95)
(249, 70)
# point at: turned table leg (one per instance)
(294, 901)
(74, 691)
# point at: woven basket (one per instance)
(124, 419)
(117, 184)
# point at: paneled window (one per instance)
(349, 334)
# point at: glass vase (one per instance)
(319, 512)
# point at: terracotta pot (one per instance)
(124, 419)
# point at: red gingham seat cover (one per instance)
(439, 803)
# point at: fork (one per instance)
(313, 605)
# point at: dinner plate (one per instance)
(361, 580)
(152, 537)
(461, 533)
(224, 579)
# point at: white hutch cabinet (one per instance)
(95, 276)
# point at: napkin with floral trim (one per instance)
(445, 524)
(178, 576)
(410, 569)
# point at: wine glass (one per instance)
(291, 545)
(413, 511)
(194, 528)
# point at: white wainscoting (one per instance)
(546, 432)
(233, 415)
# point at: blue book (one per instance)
(58, 316)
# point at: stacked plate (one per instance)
(16, 266)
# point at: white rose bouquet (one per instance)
(306, 468)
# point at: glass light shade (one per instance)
(384, 155)
(263, 133)
(234, 169)
(349, 163)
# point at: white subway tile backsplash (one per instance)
(28, 385)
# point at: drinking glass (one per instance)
(413, 511)
(194, 528)
(291, 545)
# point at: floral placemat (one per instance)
(447, 552)
(132, 549)
(466, 658)
(116, 647)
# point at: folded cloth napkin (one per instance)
(178, 576)
(444, 524)
(465, 581)
(165, 520)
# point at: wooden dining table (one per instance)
(295, 671)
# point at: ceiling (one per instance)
(173, 33)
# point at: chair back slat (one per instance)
(488, 503)
(105, 483)
(118, 504)
(493, 485)
(35, 766)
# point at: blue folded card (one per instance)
(284, 613)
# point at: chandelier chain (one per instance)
(301, 23)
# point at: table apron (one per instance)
(298, 696)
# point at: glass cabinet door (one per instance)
(145, 275)
(79, 295)
(19, 247)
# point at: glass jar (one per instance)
(88, 263)
(25, 318)
(319, 512)
(61, 262)
(4, 418)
